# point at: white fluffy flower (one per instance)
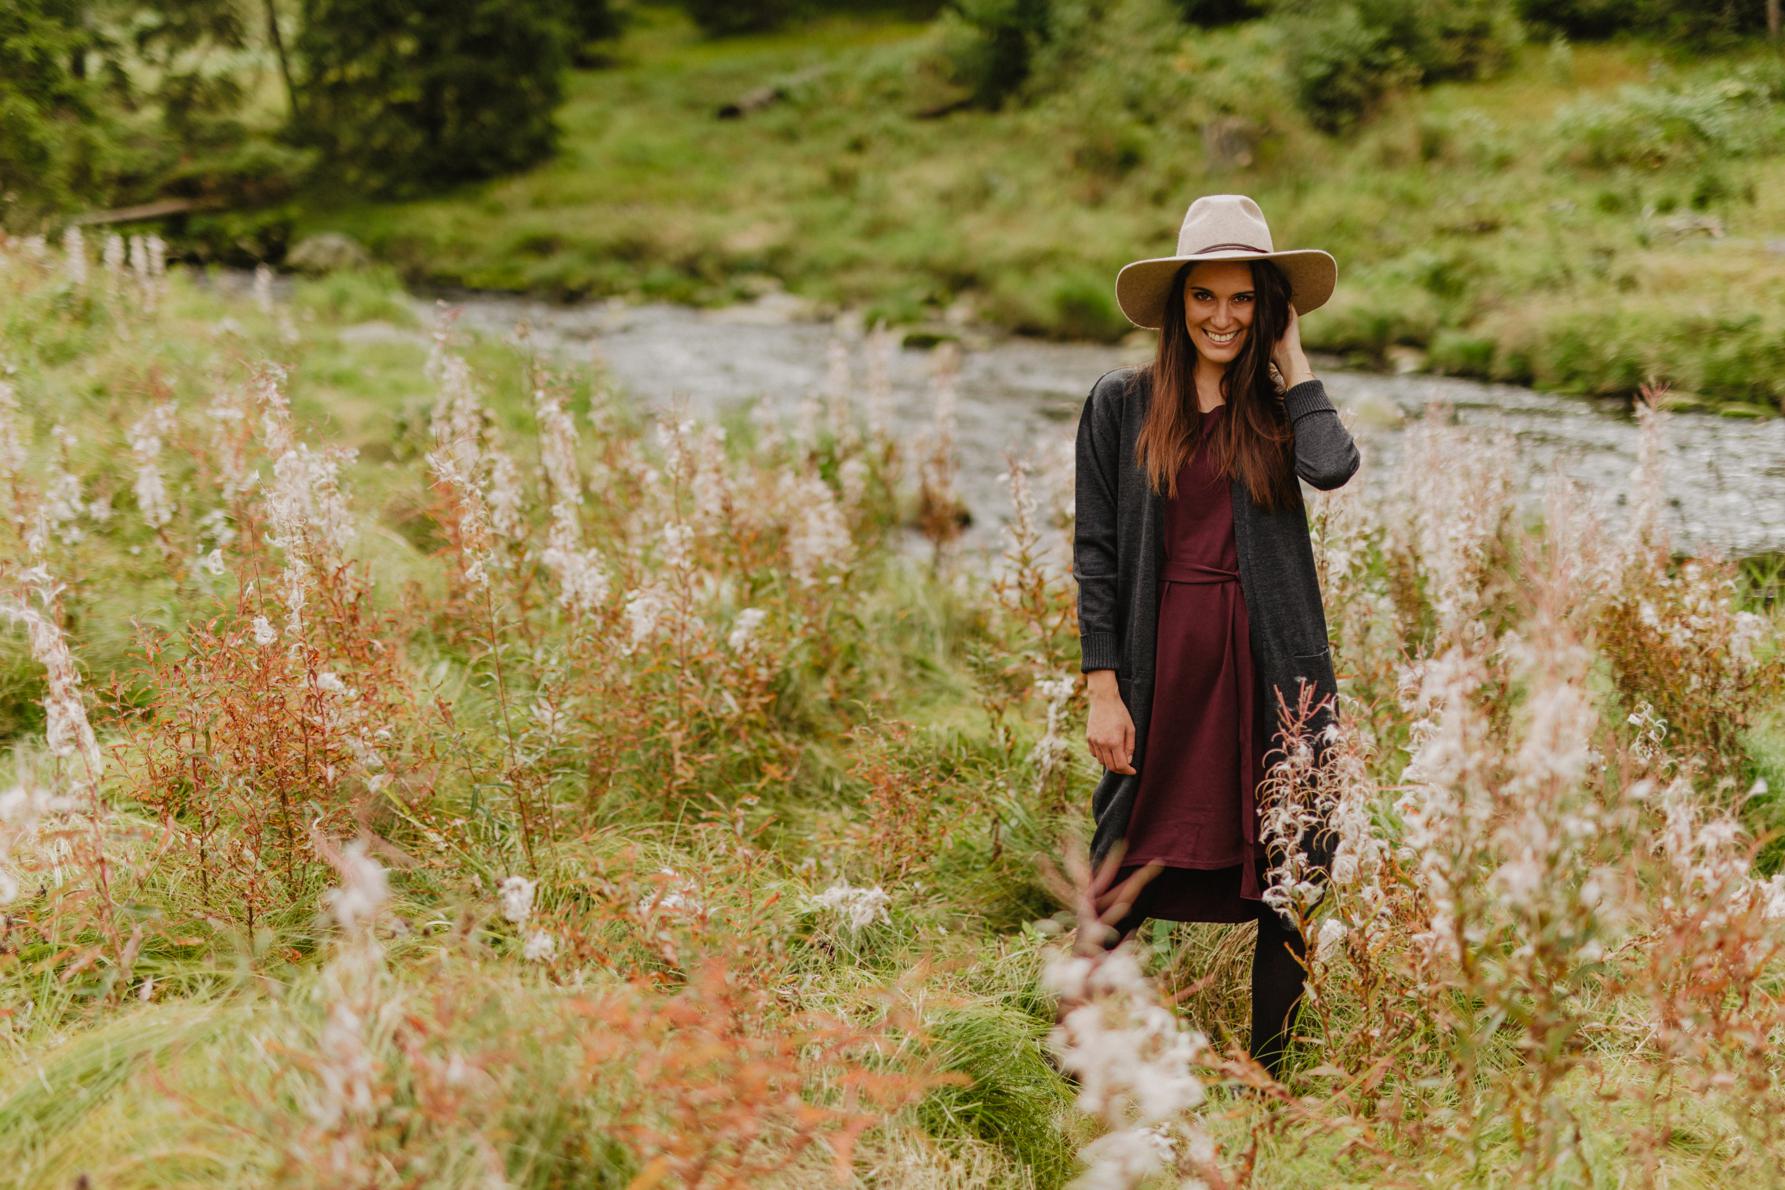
(264, 632)
(1332, 933)
(743, 631)
(539, 947)
(363, 890)
(857, 908)
(645, 608)
(516, 893)
(678, 539)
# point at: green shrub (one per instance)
(994, 43)
(401, 96)
(55, 148)
(1653, 126)
(722, 18)
(1084, 307)
(1457, 353)
(1674, 20)
(1340, 67)
(594, 20)
(1345, 55)
(371, 295)
(1214, 13)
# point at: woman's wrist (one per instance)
(1295, 370)
(1100, 682)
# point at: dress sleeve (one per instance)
(1094, 526)
(1325, 455)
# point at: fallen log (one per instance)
(757, 98)
(147, 210)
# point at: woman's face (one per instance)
(1218, 307)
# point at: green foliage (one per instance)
(1014, 1100)
(1674, 20)
(1341, 66)
(51, 147)
(172, 38)
(405, 96)
(1214, 13)
(995, 44)
(721, 18)
(594, 20)
(374, 295)
(1344, 56)
(1656, 126)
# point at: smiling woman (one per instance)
(1199, 605)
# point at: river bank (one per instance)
(1597, 216)
(1724, 477)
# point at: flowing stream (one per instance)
(1725, 477)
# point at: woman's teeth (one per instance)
(1229, 337)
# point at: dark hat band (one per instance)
(1230, 248)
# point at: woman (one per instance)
(1199, 606)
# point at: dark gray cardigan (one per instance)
(1118, 549)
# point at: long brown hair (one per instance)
(1254, 443)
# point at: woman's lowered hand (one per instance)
(1110, 731)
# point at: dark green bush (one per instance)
(1344, 56)
(403, 95)
(1694, 21)
(1212, 13)
(1340, 67)
(55, 148)
(719, 18)
(594, 20)
(996, 44)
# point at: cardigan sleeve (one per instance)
(1094, 525)
(1325, 455)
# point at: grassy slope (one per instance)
(1459, 225)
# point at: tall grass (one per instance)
(441, 773)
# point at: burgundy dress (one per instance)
(1195, 809)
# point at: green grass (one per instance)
(201, 1084)
(1532, 228)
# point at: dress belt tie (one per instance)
(1192, 572)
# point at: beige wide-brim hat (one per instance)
(1223, 227)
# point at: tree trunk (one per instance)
(278, 40)
(1772, 19)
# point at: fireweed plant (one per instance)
(428, 769)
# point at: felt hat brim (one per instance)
(1142, 287)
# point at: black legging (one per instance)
(1277, 977)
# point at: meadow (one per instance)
(1593, 216)
(428, 768)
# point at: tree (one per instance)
(401, 95)
(50, 136)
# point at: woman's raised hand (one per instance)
(1287, 355)
(1110, 731)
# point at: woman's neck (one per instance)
(1207, 383)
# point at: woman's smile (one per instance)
(1218, 305)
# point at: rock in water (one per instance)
(327, 252)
